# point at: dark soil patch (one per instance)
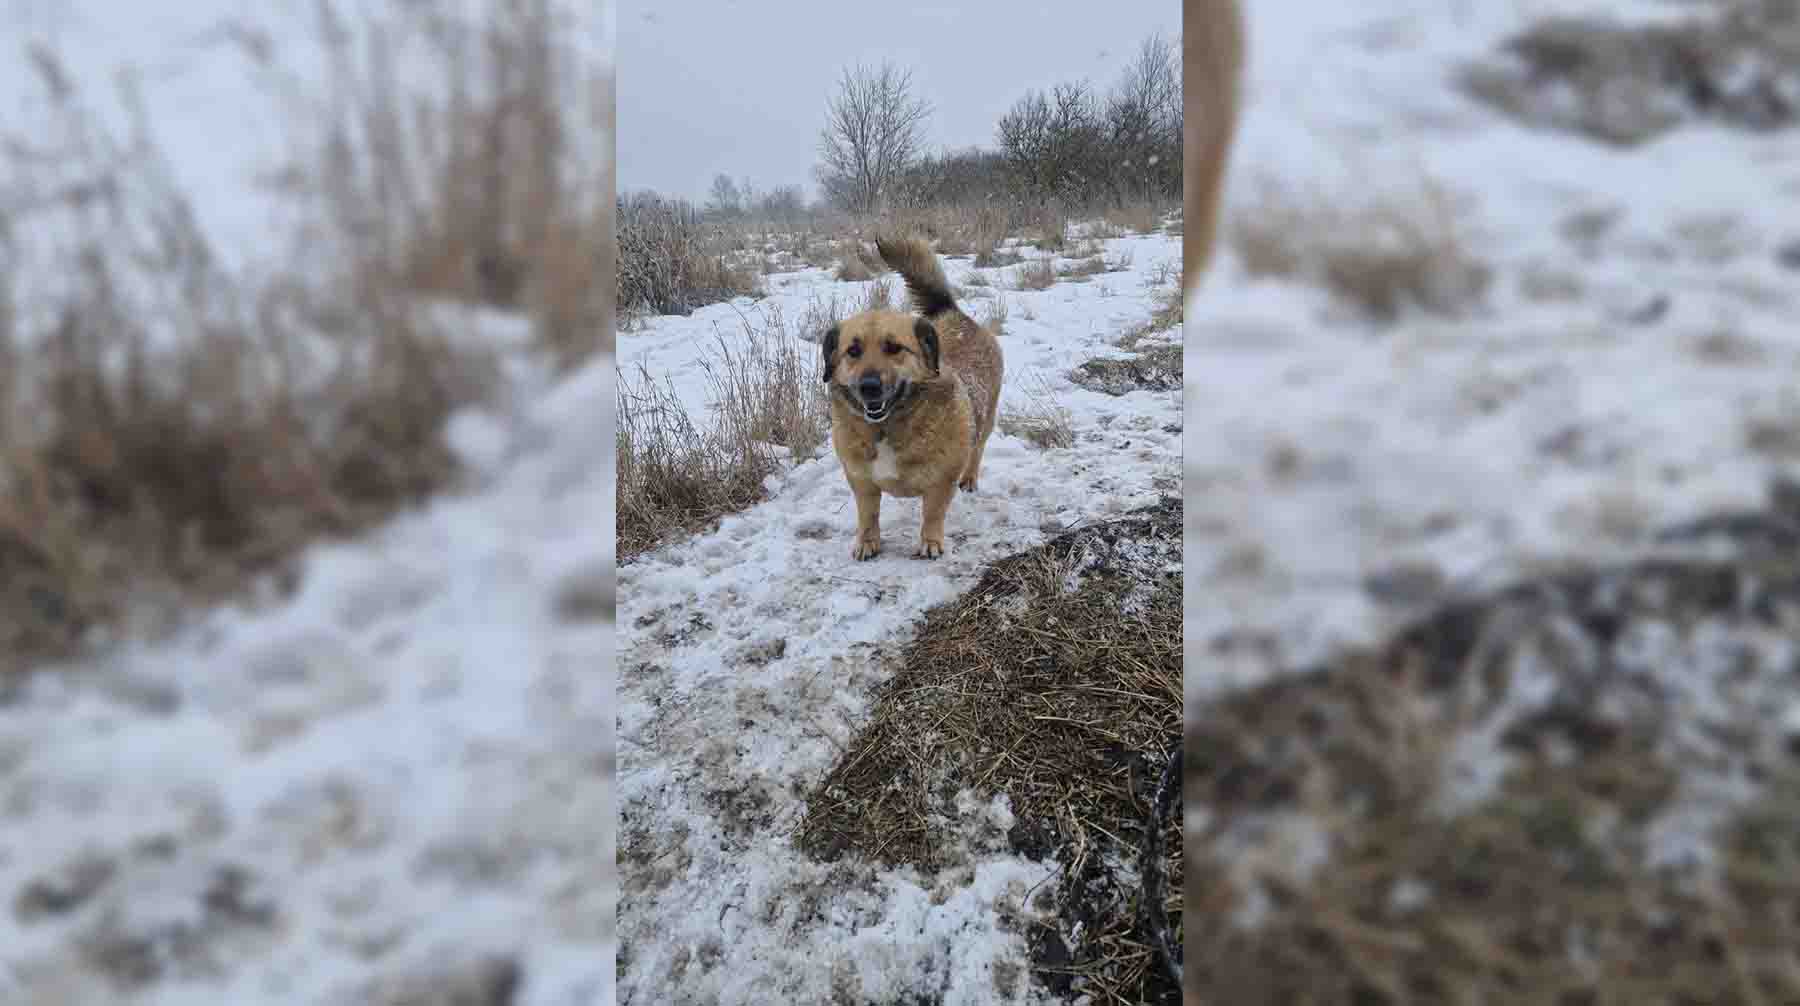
(1155, 369)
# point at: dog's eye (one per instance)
(855, 350)
(891, 347)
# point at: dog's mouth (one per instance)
(879, 409)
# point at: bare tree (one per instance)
(727, 199)
(872, 133)
(784, 204)
(1054, 144)
(1143, 118)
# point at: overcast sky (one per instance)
(706, 86)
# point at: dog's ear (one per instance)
(926, 333)
(830, 343)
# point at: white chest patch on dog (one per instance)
(887, 465)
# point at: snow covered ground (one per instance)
(1546, 427)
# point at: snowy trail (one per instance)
(748, 659)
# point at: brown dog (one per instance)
(913, 399)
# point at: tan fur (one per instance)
(1212, 62)
(931, 441)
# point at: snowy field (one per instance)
(1606, 389)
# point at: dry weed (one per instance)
(1037, 274)
(172, 429)
(484, 192)
(1482, 806)
(1056, 681)
(1137, 218)
(676, 477)
(1381, 255)
(1042, 421)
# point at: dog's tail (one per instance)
(914, 260)
(1212, 64)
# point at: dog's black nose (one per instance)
(870, 386)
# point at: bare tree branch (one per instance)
(873, 132)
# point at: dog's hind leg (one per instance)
(971, 473)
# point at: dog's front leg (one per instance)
(868, 520)
(931, 529)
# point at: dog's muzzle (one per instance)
(878, 400)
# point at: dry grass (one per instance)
(1625, 84)
(879, 296)
(1037, 274)
(998, 258)
(1156, 368)
(1097, 263)
(676, 477)
(1155, 363)
(1055, 681)
(1042, 421)
(1774, 430)
(1351, 852)
(1084, 269)
(854, 270)
(820, 315)
(670, 263)
(1382, 256)
(956, 231)
(859, 263)
(997, 313)
(171, 431)
(487, 192)
(673, 477)
(1137, 218)
(1164, 273)
(1168, 315)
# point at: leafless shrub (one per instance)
(667, 264)
(1042, 421)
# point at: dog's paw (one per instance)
(865, 549)
(966, 485)
(929, 549)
